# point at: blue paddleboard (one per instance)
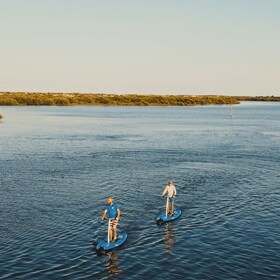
(162, 218)
(104, 245)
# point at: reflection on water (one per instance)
(112, 264)
(169, 239)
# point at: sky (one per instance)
(227, 47)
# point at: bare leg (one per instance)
(172, 207)
(114, 233)
(111, 234)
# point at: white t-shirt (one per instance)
(170, 190)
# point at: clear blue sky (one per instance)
(229, 47)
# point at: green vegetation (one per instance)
(63, 99)
(258, 98)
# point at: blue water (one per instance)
(59, 164)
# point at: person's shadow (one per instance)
(169, 238)
(112, 263)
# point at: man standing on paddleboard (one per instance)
(171, 192)
(114, 213)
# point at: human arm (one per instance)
(174, 191)
(118, 214)
(164, 192)
(104, 215)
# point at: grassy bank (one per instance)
(63, 99)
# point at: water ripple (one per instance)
(55, 180)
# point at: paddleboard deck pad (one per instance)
(104, 245)
(162, 218)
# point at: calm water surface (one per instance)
(58, 165)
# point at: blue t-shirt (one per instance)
(112, 210)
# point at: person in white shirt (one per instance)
(170, 192)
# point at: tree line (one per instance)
(258, 98)
(63, 99)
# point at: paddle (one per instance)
(108, 233)
(167, 206)
(108, 236)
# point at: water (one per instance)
(58, 165)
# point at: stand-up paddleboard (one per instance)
(165, 218)
(106, 245)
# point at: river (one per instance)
(59, 164)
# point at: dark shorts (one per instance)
(172, 199)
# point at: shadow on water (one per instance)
(109, 259)
(169, 238)
(112, 264)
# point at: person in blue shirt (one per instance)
(113, 212)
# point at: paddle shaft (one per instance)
(167, 206)
(108, 236)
